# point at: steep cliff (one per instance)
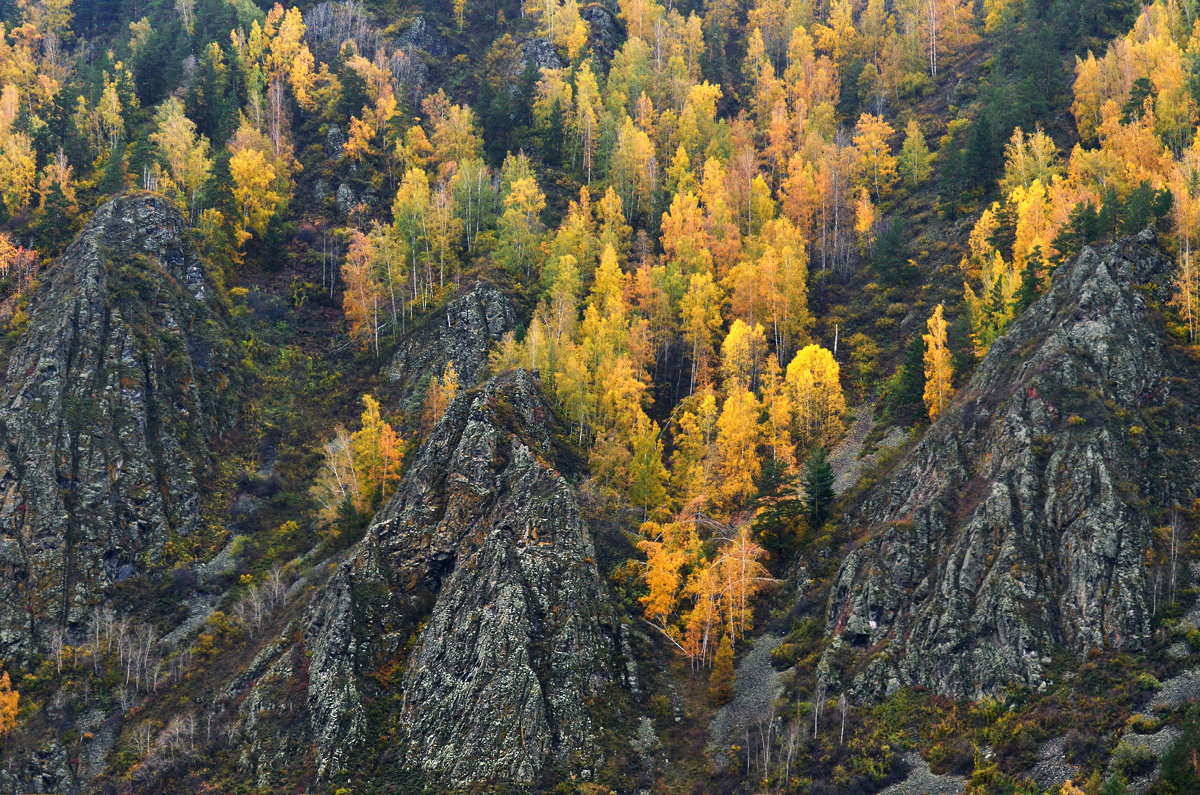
(109, 403)
(468, 626)
(1022, 520)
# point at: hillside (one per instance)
(1021, 522)
(599, 397)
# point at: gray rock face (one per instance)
(605, 30)
(476, 589)
(109, 403)
(542, 52)
(462, 332)
(1019, 523)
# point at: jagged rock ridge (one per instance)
(1019, 522)
(462, 333)
(109, 403)
(473, 606)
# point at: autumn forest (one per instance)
(750, 250)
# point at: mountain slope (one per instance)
(110, 401)
(470, 624)
(461, 333)
(1022, 520)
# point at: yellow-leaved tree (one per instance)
(695, 435)
(738, 436)
(777, 402)
(693, 599)
(185, 153)
(439, 396)
(743, 353)
(519, 228)
(255, 181)
(378, 453)
(361, 294)
(360, 469)
(700, 311)
(938, 370)
(818, 404)
(877, 165)
(915, 161)
(18, 161)
(668, 549)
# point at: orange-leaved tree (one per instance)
(361, 468)
(8, 705)
(378, 454)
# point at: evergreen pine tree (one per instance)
(777, 522)
(113, 180)
(1144, 207)
(1081, 229)
(1031, 284)
(54, 228)
(818, 487)
(891, 258)
(904, 393)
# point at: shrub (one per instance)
(1143, 724)
(1131, 761)
(1147, 681)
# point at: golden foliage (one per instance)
(8, 705)
(438, 397)
(938, 370)
(360, 468)
(255, 181)
(818, 403)
(185, 153)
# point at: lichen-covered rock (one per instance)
(46, 769)
(109, 403)
(472, 609)
(1019, 523)
(462, 332)
(541, 52)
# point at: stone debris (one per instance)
(922, 781)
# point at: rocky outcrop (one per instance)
(605, 31)
(472, 610)
(109, 403)
(1020, 522)
(541, 52)
(463, 332)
